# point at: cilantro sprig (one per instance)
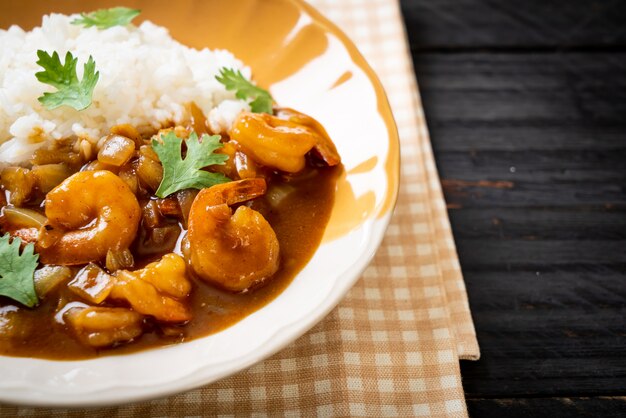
(17, 271)
(71, 91)
(186, 173)
(261, 100)
(107, 18)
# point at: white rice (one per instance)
(146, 78)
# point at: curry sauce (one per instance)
(97, 307)
(299, 221)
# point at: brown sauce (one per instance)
(296, 206)
(298, 220)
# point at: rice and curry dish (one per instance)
(151, 192)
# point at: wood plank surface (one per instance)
(605, 407)
(526, 106)
(547, 333)
(539, 224)
(528, 24)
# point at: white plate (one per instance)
(308, 65)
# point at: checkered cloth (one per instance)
(392, 347)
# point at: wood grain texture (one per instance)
(605, 407)
(532, 89)
(453, 24)
(526, 106)
(539, 224)
(549, 332)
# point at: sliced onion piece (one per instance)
(19, 182)
(13, 325)
(23, 218)
(49, 278)
(49, 176)
(151, 216)
(128, 174)
(92, 284)
(129, 131)
(117, 150)
(97, 165)
(119, 259)
(149, 169)
(277, 193)
(158, 240)
(185, 200)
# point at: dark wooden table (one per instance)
(526, 104)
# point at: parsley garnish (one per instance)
(17, 271)
(234, 80)
(107, 18)
(71, 92)
(187, 173)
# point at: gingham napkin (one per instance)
(392, 347)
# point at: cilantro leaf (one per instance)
(71, 92)
(187, 173)
(234, 80)
(107, 18)
(17, 271)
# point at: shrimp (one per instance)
(282, 141)
(156, 289)
(234, 251)
(324, 148)
(101, 326)
(88, 214)
(153, 290)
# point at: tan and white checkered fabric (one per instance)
(392, 347)
(377, 29)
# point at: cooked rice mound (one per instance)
(146, 80)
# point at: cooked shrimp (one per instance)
(282, 141)
(156, 289)
(88, 214)
(234, 251)
(324, 148)
(101, 327)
